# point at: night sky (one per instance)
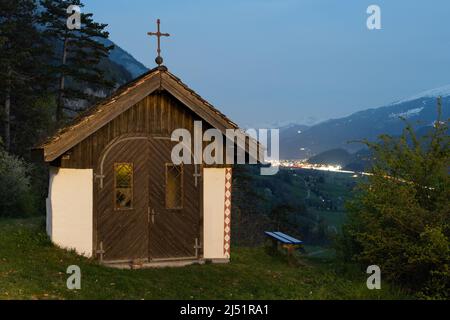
(268, 62)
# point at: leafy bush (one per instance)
(400, 217)
(15, 188)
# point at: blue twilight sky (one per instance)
(279, 61)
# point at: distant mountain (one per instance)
(420, 110)
(292, 129)
(124, 59)
(338, 157)
(359, 161)
(282, 124)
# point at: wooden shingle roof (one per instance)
(124, 98)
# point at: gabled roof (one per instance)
(124, 98)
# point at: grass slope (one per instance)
(32, 268)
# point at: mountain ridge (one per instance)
(365, 124)
(301, 141)
(125, 59)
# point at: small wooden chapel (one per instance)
(114, 193)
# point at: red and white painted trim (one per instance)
(227, 227)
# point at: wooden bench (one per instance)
(289, 243)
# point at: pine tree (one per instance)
(20, 53)
(77, 55)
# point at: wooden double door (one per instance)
(147, 208)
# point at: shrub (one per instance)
(16, 198)
(400, 217)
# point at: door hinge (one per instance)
(100, 251)
(151, 215)
(197, 247)
(100, 177)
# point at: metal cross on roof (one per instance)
(159, 60)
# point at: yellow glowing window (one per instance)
(123, 185)
(174, 186)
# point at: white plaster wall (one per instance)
(213, 213)
(70, 209)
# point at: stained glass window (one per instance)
(174, 186)
(123, 183)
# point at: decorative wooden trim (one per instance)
(130, 95)
(108, 148)
(112, 108)
(195, 104)
(227, 226)
(201, 207)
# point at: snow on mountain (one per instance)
(420, 110)
(284, 124)
(443, 91)
(407, 114)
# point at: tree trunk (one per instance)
(62, 79)
(7, 113)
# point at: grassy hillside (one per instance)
(31, 268)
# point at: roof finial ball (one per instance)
(159, 60)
